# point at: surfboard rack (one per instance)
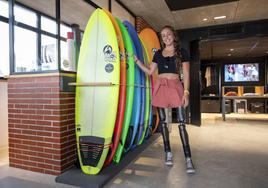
(92, 84)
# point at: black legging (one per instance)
(183, 133)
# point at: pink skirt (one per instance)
(168, 93)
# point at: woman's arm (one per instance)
(186, 76)
(148, 70)
(186, 83)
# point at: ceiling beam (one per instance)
(175, 5)
(92, 4)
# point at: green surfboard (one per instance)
(129, 91)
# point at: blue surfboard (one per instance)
(150, 125)
(136, 109)
(143, 92)
(139, 50)
(137, 131)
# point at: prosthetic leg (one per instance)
(185, 140)
(165, 135)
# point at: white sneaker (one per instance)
(169, 159)
(189, 166)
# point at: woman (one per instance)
(169, 91)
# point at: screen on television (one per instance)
(241, 72)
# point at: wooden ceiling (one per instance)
(237, 48)
(158, 14)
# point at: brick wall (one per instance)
(41, 125)
(141, 24)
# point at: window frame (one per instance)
(39, 32)
(5, 20)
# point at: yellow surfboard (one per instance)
(97, 91)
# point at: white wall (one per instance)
(119, 12)
(3, 115)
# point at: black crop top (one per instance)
(167, 64)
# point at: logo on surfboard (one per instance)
(109, 54)
(109, 68)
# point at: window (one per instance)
(3, 8)
(35, 47)
(68, 55)
(68, 49)
(64, 30)
(4, 49)
(65, 63)
(48, 53)
(25, 16)
(48, 25)
(25, 47)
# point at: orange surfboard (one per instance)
(151, 42)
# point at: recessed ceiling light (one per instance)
(267, 52)
(229, 54)
(219, 17)
(205, 19)
(231, 49)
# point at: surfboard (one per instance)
(152, 44)
(122, 94)
(150, 124)
(129, 92)
(138, 106)
(134, 36)
(148, 99)
(149, 131)
(97, 91)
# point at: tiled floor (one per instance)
(226, 154)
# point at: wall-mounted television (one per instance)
(243, 73)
